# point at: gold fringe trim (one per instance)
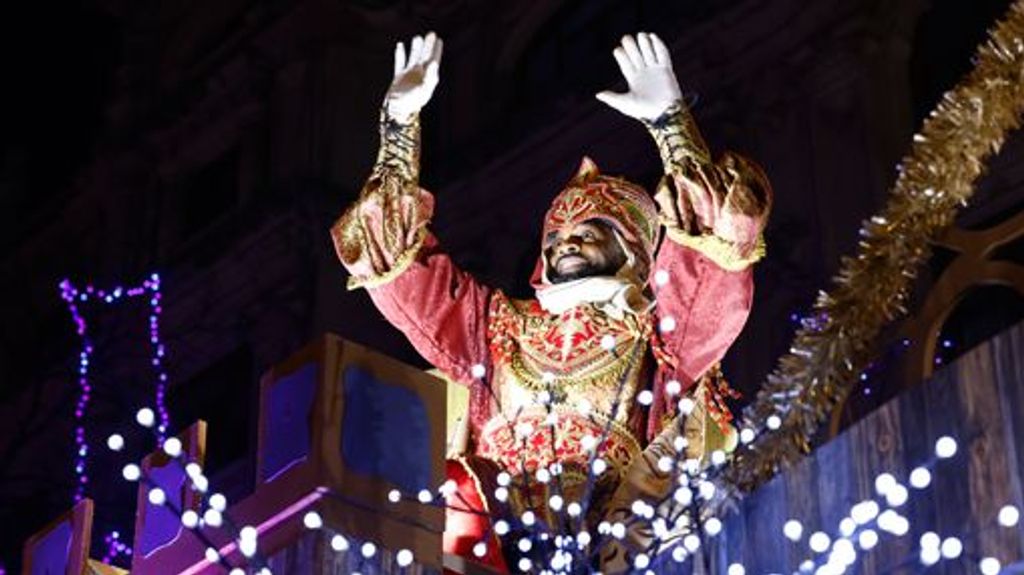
(402, 262)
(724, 253)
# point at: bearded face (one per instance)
(586, 249)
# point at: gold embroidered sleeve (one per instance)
(717, 208)
(380, 234)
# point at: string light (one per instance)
(74, 298)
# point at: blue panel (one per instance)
(162, 526)
(50, 554)
(385, 431)
(286, 435)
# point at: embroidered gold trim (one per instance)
(402, 262)
(611, 372)
(678, 138)
(476, 481)
(722, 252)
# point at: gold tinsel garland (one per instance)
(935, 178)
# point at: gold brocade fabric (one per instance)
(380, 234)
(560, 382)
(716, 208)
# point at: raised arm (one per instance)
(713, 214)
(383, 240)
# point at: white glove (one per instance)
(415, 77)
(647, 67)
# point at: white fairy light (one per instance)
(807, 566)
(608, 342)
(528, 518)
(691, 542)
(312, 520)
(131, 472)
(618, 530)
(665, 464)
(501, 527)
(247, 547)
(212, 555)
(683, 495)
(115, 442)
(843, 552)
(368, 550)
(660, 277)
(746, 435)
(584, 407)
(555, 502)
(884, 482)
(480, 549)
(425, 496)
(929, 556)
(945, 447)
(544, 397)
(641, 561)
(504, 479)
(736, 569)
(645, 397)
(686, 406)
(930, 539)
(989, 566)
(193, 469)
(394, 496)
(920, 477)
(717, 457)
(864, 511)
(867, 539)
(793, 530)
(847, 526)
(523, 430)
(172, 446)
(213, 518)
(145, 417)
(583, 539)
(247, 533)
(157, 496)
(897, 495)
(680, 443)
(200, 483)
(773, 422)
(501, 494)
(679, 554)
(706, 489)
(404, 558)
(673, 387)
(218, 502)
(893, 522)
(339, 543)
(525, 565)
(819, 542)
(190, 519)
(638, 507)
(713, 526)
(1009, 516)
(951, 548)
(667, 324)
(237, 571)
(543, 475)
(599, 466)
(478, 370)
(547, 377)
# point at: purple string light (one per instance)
(74, 297)
(115, 548)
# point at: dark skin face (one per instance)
(586, 250)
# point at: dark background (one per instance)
(215, 142)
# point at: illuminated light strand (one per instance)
(74, 297)
(212, 511)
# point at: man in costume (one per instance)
(624, 334)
